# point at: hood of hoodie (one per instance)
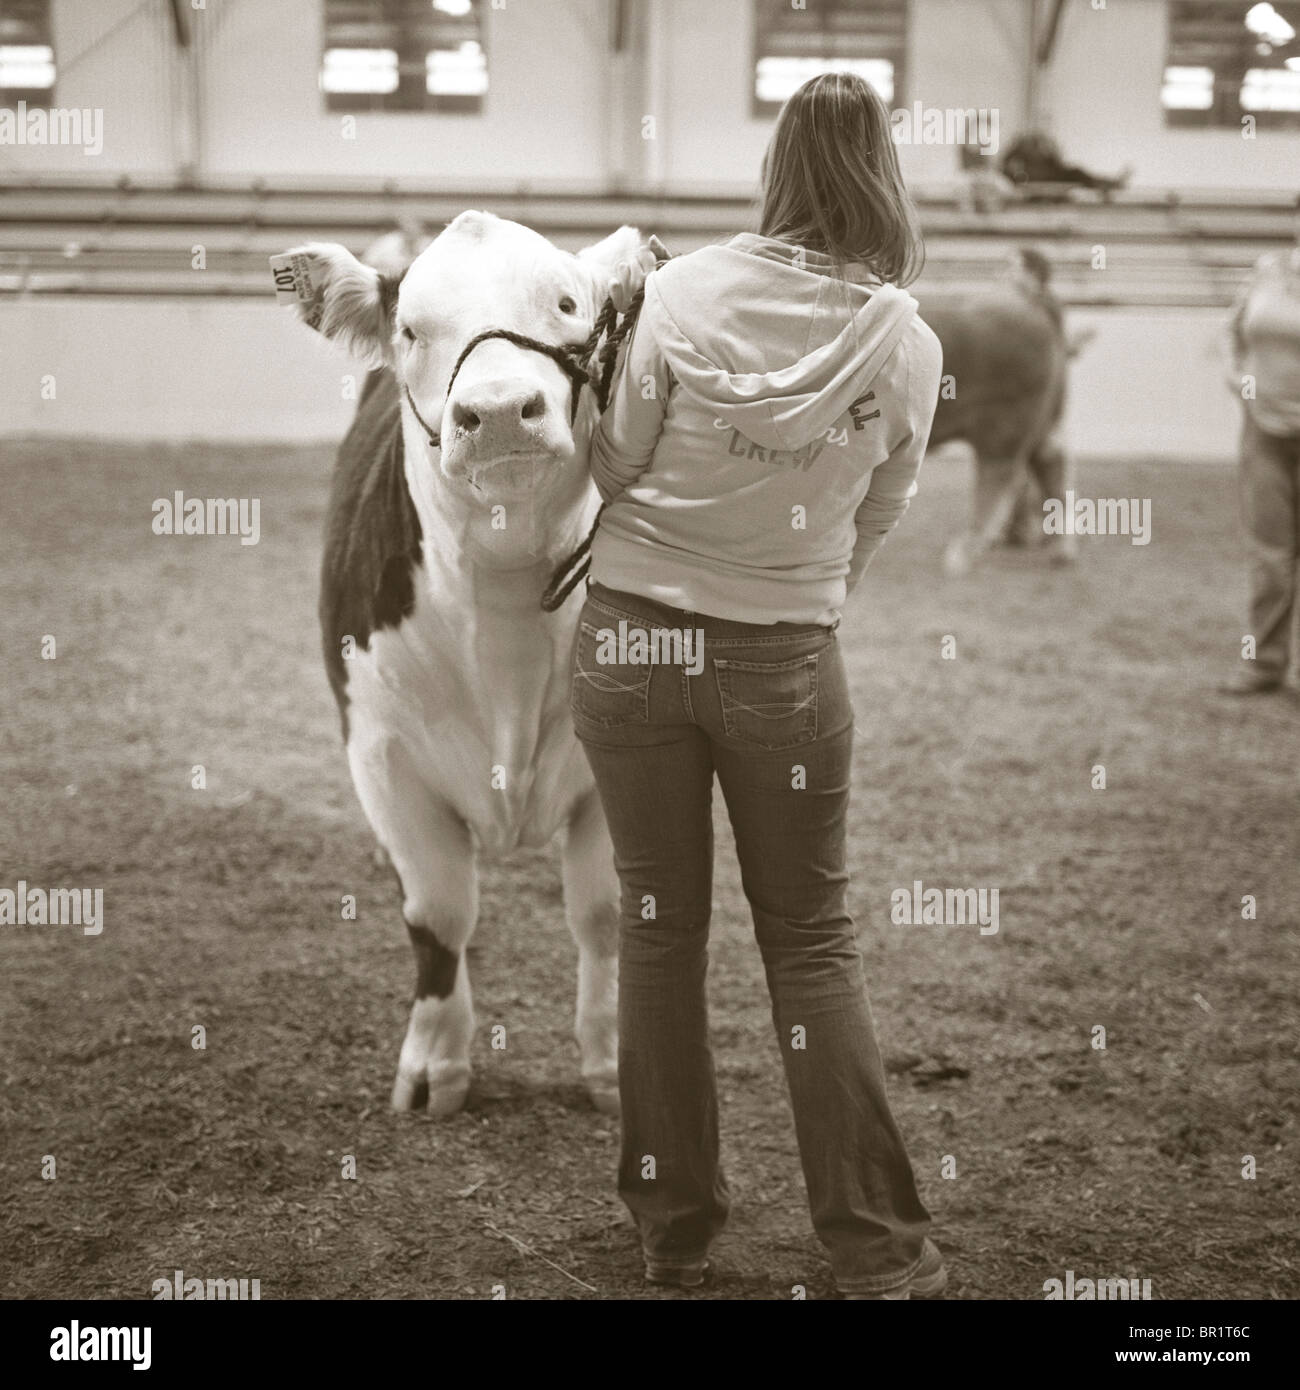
(777, 349)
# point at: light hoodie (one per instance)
(1266, 342)
(764, 434)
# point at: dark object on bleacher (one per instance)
(1035, 159)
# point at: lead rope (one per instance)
(570, 572)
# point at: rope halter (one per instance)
(573, 359)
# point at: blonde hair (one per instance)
(831, 180)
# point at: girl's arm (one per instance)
(893, 485)
(625, 439)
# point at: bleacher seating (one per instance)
(1192, 248)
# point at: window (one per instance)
(404, 55)
(868, 37)
(26, 53)
(1233, 58)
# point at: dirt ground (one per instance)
(1118, 907)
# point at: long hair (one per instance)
(831, 181)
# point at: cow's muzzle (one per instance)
(574, 359)
(499, 417)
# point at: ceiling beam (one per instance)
(1048, 41)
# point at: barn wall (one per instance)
(115, 56)
(551, 115)
(196, 369)
(961, 53)
(1121, 50)
(543, 123)
(1149, 383)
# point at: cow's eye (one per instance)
(407, 334)
(567, 306)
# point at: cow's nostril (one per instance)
(464, 418)
(534, 407)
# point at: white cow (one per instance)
(448, 513)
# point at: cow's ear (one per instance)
(350, 303)
(606, 256)
(392, 253)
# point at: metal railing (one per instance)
(1186, 250)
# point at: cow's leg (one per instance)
(997, 481)
(432, 854)
(1050, 465)
(1024, 524)
(440, 907)
(591, 904)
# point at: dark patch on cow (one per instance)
(394, 598)
(435, 965)
(373, 540)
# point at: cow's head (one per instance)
(507, 430)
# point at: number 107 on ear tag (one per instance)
(294, 285)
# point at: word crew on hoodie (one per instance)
(758, 382)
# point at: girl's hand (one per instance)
(631, 275)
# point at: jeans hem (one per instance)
(674, 1264)
(883, 1283)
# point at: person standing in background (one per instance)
(1266, 367)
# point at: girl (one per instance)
(764, 437)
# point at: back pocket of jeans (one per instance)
(771, 704)
(607, 693)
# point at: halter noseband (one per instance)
(572, 358)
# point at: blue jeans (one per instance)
(767, 709)
(1270, 497)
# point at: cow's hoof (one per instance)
(604, 1096)
(442, 1096)
(956, 560)
(409, 1092)
(448, 1098)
